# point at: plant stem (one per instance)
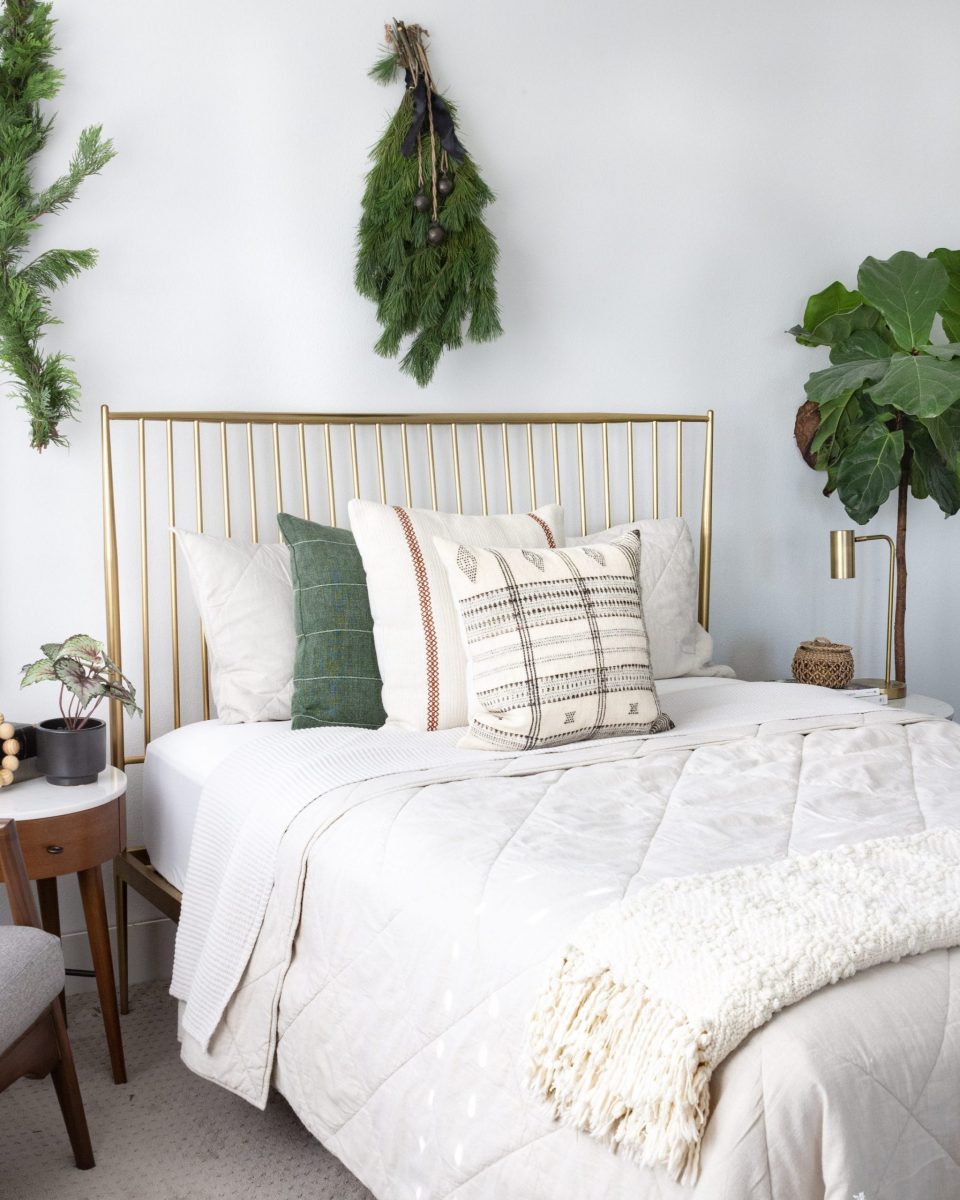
(900, 611)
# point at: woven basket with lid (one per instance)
(824, 663)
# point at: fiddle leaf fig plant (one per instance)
(884, 416)
(86, 677)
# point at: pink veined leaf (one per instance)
(75, 679)
(126, 696)
(51, 649)
(82, 646)
(40, 671)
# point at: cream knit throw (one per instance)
(653, 993)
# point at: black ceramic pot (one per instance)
(71, 756)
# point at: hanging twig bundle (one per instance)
(425, 256)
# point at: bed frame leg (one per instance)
(120, 905)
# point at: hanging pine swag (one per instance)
(425, 256)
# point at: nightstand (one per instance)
(924, 704)
(76, 829)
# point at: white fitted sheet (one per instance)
(177, 766)
(179, 763)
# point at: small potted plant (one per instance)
(72, 748)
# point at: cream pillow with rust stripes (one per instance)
(555, 642)
(415, 625)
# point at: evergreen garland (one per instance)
(45, 383)
(425, 256)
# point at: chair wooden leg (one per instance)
(95, 911)
(64, 1076)
(120, 905)
(50, 916)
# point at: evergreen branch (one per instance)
(45, 384)
(55, 267)
(89, 158)
(386, 69)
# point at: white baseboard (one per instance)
(150, 953)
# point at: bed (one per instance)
(370, 941)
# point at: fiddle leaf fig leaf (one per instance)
(869, 471)
(950, 304)
(945, 432)
(82, 646)
(862, 343)
(40, 671)
(832, 382)
(944, 350)
(932, 474)
(908, 291)
(920, 385)
(833, 413)
(75, 679)
(831, 302)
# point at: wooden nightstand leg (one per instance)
(50, 917)
(120, 906)
(95, 911)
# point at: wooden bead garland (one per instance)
(11, 749)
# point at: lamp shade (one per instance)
(843, 561)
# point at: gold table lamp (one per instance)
(843, 565)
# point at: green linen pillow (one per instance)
(335, 675)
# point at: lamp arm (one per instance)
(883, 537)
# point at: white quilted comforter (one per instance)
(410, 926)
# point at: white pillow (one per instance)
(244, 592)
(555, 642)
(415, 627)
(669, 583)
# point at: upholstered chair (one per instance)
(33, 1034)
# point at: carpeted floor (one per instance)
(165, 1135)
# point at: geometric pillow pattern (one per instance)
(555, 643)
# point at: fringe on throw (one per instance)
(623, 1065)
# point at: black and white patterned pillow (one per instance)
(555, 643)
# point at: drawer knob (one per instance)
(54, 849)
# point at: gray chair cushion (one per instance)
(31, 974)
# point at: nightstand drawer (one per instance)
(72, 842)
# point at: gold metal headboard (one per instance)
(586, 452)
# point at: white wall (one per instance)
(672, 181)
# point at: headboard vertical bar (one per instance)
(252, 486)
(706, 526)
(679, 468)
(631, 499)
(606, 475)
(144, 577)
(304, 486)
(455, 446)
(354, 462)
(225, 478)
(655, 466)
(507, 481)
(580, 477)
(432, 465)
(174, 598)
(556, 463)
(405, 452)
(381, 475)
(481, 467)
(531, 467)
(277, 478)
(198, 493)
(111, 579)
(331, 491)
